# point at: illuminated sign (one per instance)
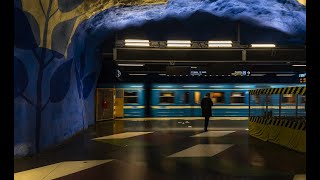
(241, 73)
(197, 73)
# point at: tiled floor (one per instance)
(115, 150)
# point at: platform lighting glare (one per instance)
(220, 42)
(130, 64)
(298, 65)
(178, 42)
(162, 74)
(178, 45)
(164, 86)
(190, 86)
(136, 86)
(137, 44)
(216, 86)
(263, 45)
(220, 45)
(137, 74)
(136, 41)
(244, 86)
(247, 129)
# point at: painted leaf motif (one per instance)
(68, 5)
(88, 83)
(61, 35)
(23, 35)
(20, 77)
(82, 62)
(60, 82)
(34, 27)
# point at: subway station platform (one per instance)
(163, 149)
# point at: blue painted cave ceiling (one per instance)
(261, 21)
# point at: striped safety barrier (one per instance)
(288, 90)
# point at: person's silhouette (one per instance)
(206, 105)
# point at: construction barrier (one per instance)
(287, 130)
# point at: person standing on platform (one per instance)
(206, 105)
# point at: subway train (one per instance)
(231, 101)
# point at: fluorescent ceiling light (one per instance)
(285, 74)
(162, 74)
(220, 45)
(164, 86)
(178, 42)
(178, 45)
(263, 45)
(136, 41)
(136, 86)
(298, 65)
(219, 42)
(190, 86)
(137, 74)
(137, 44)
(130, 64)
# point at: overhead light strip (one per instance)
(178, 42)
(299, 65)
(137, 44)
(136, 41)
(137, 74)
(130, 64)
(178, 45)
(263, 45)
(220, 45)
(220, 42)
(285, 74)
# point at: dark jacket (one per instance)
(206, 105)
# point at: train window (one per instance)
(289, 99)
(186, 98)
(130, 97)
(217, 97)
(237, 97)
(197, 97)
(166, 97)
(256, 99)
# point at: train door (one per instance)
(197, 103)
(187, 104)
(104, 104)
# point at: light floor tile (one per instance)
(122, 135)
(213, 134)
(299, 177)
(57, 170)
(202, 150)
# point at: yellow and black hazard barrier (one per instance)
(287, 90)
(285, 132)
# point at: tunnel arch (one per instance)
(56, 97)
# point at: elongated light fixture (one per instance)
(263, 45)
(285, 74)
(299, 65)
(130, 64)
(190, 86)
(219, 43)
(137, 74)
(136, 42)
(178, 43)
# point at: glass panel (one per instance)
(217, 97)
(186, 98)
(130, 97)
(289, 99)
(166, 97)
(197, 97)
(237, 97)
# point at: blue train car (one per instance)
(231, 101)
